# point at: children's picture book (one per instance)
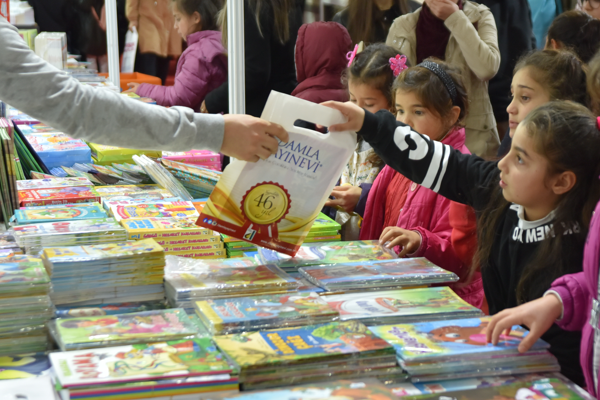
(405, 271)
(176, 209)
(104, 153)
(139, 362)
(49, 183)
(260, 312)
(429, 303)
(107, 203)
(329, 253)
(443, 340)
(23, 273)
(542, 389)
(324, 224)
(63, 195)
(65, 212)
(211, 280)
(107, 330)
(292, 345)
(147, 247)
(83, 226)
(164, 228)
(108, 309)
(24, 366)
(127, 189)
(363, 389)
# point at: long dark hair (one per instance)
(578, 31)
(567, 135)
(281, 12)
(363, 15)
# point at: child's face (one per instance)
(409, 110)
(186, 24)
(524, 177)
(367, 97)
(527, 96)
(592, 7)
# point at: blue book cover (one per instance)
(442, 340)
(65, 212)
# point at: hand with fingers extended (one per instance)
(133, 86)
(346, 197)
(538, 315)
(354, 114)
(409, 241)
(251, 139)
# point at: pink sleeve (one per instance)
(189, 90)
(436, 245)
(576, 297)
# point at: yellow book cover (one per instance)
(206, 254)
(190, 240)
(195, 247)
(164, 229)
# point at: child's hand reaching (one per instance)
(355, 115)
(538, 315)
(133, 86)
(410, 241)
(346, 197)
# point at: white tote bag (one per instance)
(131, 43)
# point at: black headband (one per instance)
(444, 77)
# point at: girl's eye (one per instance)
(353, 101)
(369, 105)
(419, 112)
(400, 112)
(525, 98)
(519, 159)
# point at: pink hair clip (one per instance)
(351, 54)
(598, 122)
(398, 64)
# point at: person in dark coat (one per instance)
(368, 21)
(269, 54)
(321, 50)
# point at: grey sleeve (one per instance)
(101, 116)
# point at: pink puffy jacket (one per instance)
(201, 69)
(427, 213)
(577, 292)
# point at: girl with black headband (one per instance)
(463, 34)
(410, 218)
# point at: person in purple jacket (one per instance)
(203, 65)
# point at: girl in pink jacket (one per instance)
(203, 65)
(413, 218)
(573, 301)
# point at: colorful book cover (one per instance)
(164, 228)
(39, 175)
(329, 253)
(178, 248)
(112, 153)
(141, 248)
(20, 270)
(210, 279)
(139, 362)
(311, 342)
(107, 203)
(176, 209)
(393, 272)
(324, 223)
(24, 366)
(542, 389)
(193, 170)
(127, 189)
(192, 156)
(32, 215)
(191, 240)
(108, 309)
(257, 310)
(95, 226)
(449, 339)
(157, 324)
(364, 389)
(48, 183)
(395, 303)
(64, 195)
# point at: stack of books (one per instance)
(324, 229)
(62, 195)
(129, 192)
(177, 236)
(106, 273)
(312, 353)
(453, 349)
(106, 155)
(377, 275)
(10, 171)
(174, 209)
(55, 148)
(68, 233)
(202, 158)
(144, 371)
(25, 305)
(401, 306)
(184, 287)
(59, 213)
(242, 314)
(327, 253)
(197, 180)
(121, 329)
(236, 248)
